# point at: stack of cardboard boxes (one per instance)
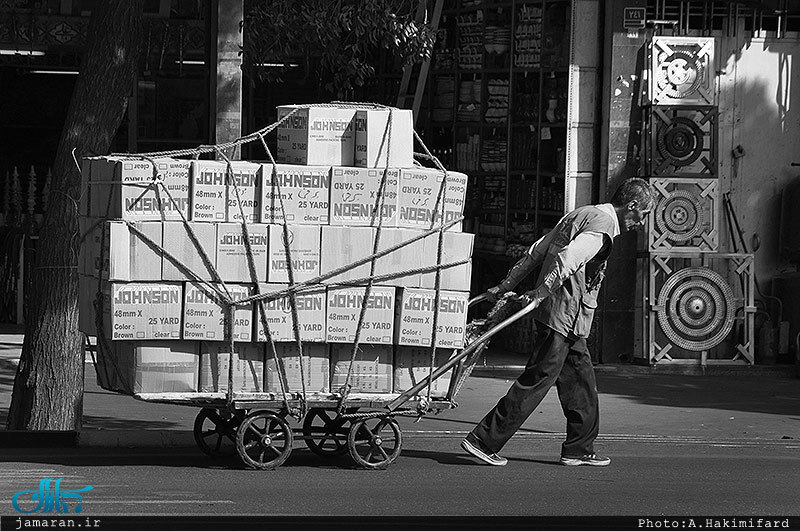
(167, 329)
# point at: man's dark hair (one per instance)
(634, 189)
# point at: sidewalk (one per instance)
(755, 405)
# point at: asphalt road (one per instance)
(431, 477)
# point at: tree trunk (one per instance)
(48, 389)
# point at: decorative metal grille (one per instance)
(701, 308)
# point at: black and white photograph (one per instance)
(399, 264)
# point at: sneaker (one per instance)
(588, 459)
(478, 450)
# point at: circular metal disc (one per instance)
(678, 216)
(680, 141)
(679, 74)
(696, 308)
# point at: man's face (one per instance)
(633, 216)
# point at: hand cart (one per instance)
(255, 425)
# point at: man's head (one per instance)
(632, 201)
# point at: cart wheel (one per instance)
(264, 440)
(375, 443)
(215, 432)
(326, 435)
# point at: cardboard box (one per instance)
(341, 246)
(354, 192)
(310, 314)
(316, 368)
(412, 365)
(136, 311)
(415, 312)
(457, 246)
(379, 144)
(181, 246)
(404, 259)
(123, 188)
(248, 367)
(149, 367)
(231, 261)
(320, 135)
(126, 256)
(204, 317)
(303, 190)
(371, 372)
(214, 196)
(304, 248)
(209, 198)
(344, 307)
(419, 188)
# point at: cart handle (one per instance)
(476, 300)
(406, 396)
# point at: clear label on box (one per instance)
(304, 249)
(124, 189)
(204, 316)
(320, 135)
(354, 192)
(232, 262)
(371, 370)
(278, 313)
(344, 308)
(180, 245)
(419, 190)
(342, 246)
(209, 198)
(127, 256)
(247, 180)
(316, 368)
(412, 365)
(380, 143)
(296, 194)
(415, 313)
(248, 367)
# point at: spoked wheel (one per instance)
(215, 432)
(264, 440)
(326, 435)
(375, 443)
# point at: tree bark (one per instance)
(48, 389)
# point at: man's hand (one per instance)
(532, 296)
(493, 294)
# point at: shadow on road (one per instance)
(779, 396)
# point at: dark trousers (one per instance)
(555, 359)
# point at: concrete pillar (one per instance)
(620, 306)
(226, 77)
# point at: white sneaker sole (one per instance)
(470, 448)
(568, 461)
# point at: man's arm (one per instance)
(529, 261)
(571, 258)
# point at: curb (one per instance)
(137, 438)
(745, 371)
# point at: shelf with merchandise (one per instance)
(501, 65)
